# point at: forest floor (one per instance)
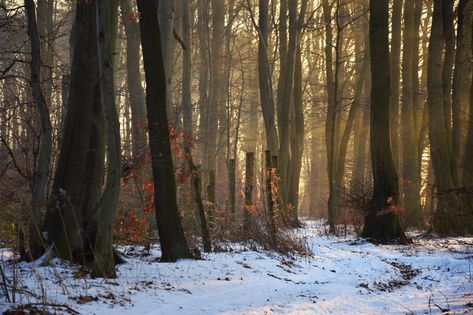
(342, 275)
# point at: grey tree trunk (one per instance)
(36, 244)
(71, 220)
(134, 78)
(104, 264)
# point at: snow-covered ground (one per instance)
(343, 276)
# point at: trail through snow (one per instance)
(343, 276)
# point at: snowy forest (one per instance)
(236, 157)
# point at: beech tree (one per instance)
(171, 235)
(382, 222)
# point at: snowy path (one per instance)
(340, 278)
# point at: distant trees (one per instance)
(318, 76)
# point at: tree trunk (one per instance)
(450, 216)
(396, 76)
(134, 79)
(287, 106)
(36, 243)
(71, 220)
(171, 235)
(270, 215)
(461, 84)
(382, 223)
(410, 163)
(197, 186)
(249, 183)
(104, 264)
(265, 82)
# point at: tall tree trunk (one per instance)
(36, 244)
(382, 223)
(297, 126)
(410, 163)
(287, 104)
(171, 235)
(396, 76)
(331, 110)
(461, 83)
(203, 78)
(104, 264)
(71, 220)
(447, 74)
(133, 79)
(265, 80)
(450, 216)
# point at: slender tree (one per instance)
(171, 234)
(36, 244)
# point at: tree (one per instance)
(71, 219)
(36, 244)
(450, 216)
(104, 264)
(396, 76)
(410, 161)
(133, 79)
(171, 235)
(382, 222)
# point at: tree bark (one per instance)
(396, 76)
(410, 163)
(265, 81)
(450, 216)
(171, 234)
(104, 264)
(133, 79)
(36, 243)
(71, 220)
(461, 84)
(382, 223)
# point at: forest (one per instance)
(236, 156)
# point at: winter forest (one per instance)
(236, 157)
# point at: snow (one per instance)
(342, 276)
